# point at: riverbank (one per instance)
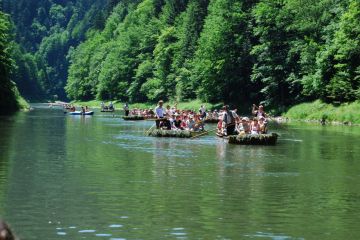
(194, 105)
(22, 103)
(317, 111)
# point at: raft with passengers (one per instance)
(171, 122)
(243, 131)
(85, 111)
(109, 108)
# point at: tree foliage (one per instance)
(278, 52)
(8, 101)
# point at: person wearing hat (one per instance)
(228, 119)
(245, 127)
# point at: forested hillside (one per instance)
(45, 31)
(238, 51)
(280, 52)
(8, 101)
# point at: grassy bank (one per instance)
(344, 113)
(194, 105)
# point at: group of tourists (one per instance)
(229, 123)
(110, 107)
(72, 108)
(171, 118)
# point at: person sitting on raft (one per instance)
(191, 123)
(160, 117)
(255, 127)
(178, 123)
(184, 123)
(199, 124)
(228, 121)
(263, 125)
(245, 125)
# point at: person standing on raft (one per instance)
(228, 121)
(126, 109)
(160, 116)
(259, 111)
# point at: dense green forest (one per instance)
(45, 31)
(8, 92)
(279, 52)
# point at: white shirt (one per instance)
(227, 119)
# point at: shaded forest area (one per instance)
(8, 91)
(45, 31)
(279, 52)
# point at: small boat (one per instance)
(175, 133)
(252, 139)
(81, 113)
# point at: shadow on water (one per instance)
(36, 149)
(6, 132)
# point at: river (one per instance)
(99, 177)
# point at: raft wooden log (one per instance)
(173, 133)
(211, 120)
(250, 139)
(133, 118)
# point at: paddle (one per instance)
(150, 129)
(205, 132)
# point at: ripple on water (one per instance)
(87, 231)
(61, 233)
(272, 236)
(103, 235)
(178, 233)
(115, 226)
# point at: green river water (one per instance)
(72, 177)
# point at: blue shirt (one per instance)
(159, 111)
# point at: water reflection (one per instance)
(99, 177)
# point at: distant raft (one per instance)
(254, 139)
(81, 113)
(133, 118)
(175, 133)
(108, 110)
